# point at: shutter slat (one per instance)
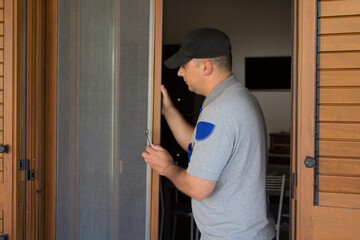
(340, 60)
(1, 197)
(339, 8)
(340, 113)
(339, 78)
(339, 200)
(1, 96)
(340, 25)
(339, 131)
(339, 149)
(339, 184)
(343, 167)
(340, 43)
(350, 95)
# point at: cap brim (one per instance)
(176, 60)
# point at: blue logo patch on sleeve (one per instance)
(204, 130)
(189, 152)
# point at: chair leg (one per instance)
(174, 227)
(197, 233)
(192, 227)
(280, 207)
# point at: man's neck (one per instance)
(216, 80)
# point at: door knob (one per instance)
(309, 162)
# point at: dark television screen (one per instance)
(263, 73)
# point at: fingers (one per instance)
(166, 100)
(145, 155)
(165, 93)
(164, 90)
(157, 147)
(151, 149)
(157, 158)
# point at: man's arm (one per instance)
(162, 162)
(180, 128)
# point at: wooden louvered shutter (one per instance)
(326, 198)
(1, 115)
(339, 104)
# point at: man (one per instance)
(227, 149)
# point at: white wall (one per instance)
(256, 28)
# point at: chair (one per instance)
(275, 185)
(184, 209)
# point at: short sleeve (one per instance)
(211, 149)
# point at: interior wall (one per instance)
(256, 29)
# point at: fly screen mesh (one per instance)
(103, 49)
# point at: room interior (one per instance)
(261, 29)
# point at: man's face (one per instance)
(191, 73)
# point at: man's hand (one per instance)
(180, 128)
(161, 161)
(167, 104)
(158, 158)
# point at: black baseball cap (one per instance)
(200, 43)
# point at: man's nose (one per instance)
(180, 72)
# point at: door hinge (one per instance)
(4, 148)
(4, 237)
(24, 165)
(30, 175)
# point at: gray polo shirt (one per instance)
(229, 146)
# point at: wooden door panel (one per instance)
(331, 78)
(341, 223)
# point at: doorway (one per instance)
(257, 30)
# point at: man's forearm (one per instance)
(194, 187)
(180, 128)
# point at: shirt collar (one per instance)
(219, 90)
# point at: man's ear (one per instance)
(207, 67)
